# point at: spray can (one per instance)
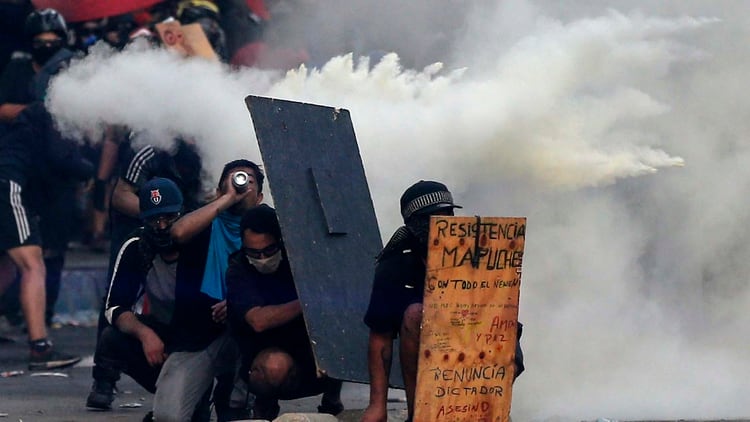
(240, 180)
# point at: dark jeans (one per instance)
(120, 352)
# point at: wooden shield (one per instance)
(468, 337)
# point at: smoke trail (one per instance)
(562, 131)
(157, 92)
(634, 289)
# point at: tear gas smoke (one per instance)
(634, 289)
(159, 96)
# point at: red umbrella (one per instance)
(85, 10)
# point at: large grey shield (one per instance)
(328, 222)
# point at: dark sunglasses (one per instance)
(157, 220)
(260, 253)
(38, 43)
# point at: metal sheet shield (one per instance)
(320, 192)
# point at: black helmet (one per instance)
(47, 20)
(190, 11)
(425, 197)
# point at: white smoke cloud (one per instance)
(158, 92)
(572, 115)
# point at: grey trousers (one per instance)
(187, 376)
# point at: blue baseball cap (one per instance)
(159, 196)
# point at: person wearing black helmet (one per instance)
(395, 307)
(26, 77)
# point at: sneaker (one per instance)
(51, 359)
(101, 396)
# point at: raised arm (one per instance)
(195, 222)
(125, 198)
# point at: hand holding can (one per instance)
(240, 181)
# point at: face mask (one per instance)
(160, 240)
(419, 226)
(266, 265)
(43, 53)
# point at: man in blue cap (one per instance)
(150, 346)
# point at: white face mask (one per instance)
(266, 265)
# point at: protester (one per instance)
(395, 307)
(218, 222)
(207, 14)
(23, 82)
(267, 322)
(25, 79)
(210, 233)
(117, 29)
(221, 219)
(183, 166)
(178, 347)
(86, 34)
(31, 155)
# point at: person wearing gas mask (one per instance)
(183, 166)
(395, 307)
(266, 320)
(175, 349)
(26, 77)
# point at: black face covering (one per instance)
(41, 54)
(419, 226)
(160, 239)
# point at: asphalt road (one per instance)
(60, 395)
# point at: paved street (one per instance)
(60, 395)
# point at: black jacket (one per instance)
(34, 153)
(192, 328)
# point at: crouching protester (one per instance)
(266, 320)
(178, 344)
(395, 307)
